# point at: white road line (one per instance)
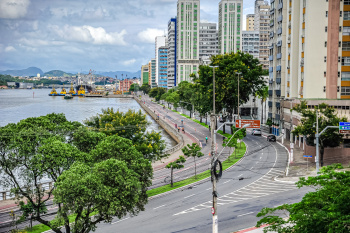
(240, 175)
(119, 221)
(251, 168)
(208, 188)
(158, 207)
(260, 157)
(189, 196)
(245, 214)
(227, 181)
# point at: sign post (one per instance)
(344, 127)
(307, 161)
(254, 124)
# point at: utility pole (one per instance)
(317, 150)
(213, 159)
(239, 76)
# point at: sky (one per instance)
(79, 35)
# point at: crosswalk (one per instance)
(264, 186)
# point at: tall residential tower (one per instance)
(172, 53)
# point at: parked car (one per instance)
(256, 132)
(271, 138)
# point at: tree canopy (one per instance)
(134, 87)
(325, 210)
(145, 88)
(157, 92)
(193, 151)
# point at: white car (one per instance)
(256, 132)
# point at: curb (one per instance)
(250, 229)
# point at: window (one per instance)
(339, 44)
(326, 14)
(345, 91)
(341, 13)
(346, 15)
(339, 28)
(346, 2)
(325, 29)
(345, 61)
(325, 44)
(325, 74)
(346, 46)
(345, 76)
(338, 59)
(338, 74)
(325, 59)
(346, 31)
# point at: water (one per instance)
(16, 105)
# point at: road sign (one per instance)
(212, 210)
(254, 124)
(344, 127)
(308, 156)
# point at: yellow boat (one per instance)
(53, 92)
(71, 90)
(63, 92)
(81, 91)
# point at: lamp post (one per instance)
(239, 76)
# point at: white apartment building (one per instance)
(160, 42)
(172, 53)
(208, 40)
(251, 43)
(230, 25)
(262, 24)
(187, 33)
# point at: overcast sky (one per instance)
(74, 35)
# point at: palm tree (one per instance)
(263, 94)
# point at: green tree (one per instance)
(28, 210)
(157, 92)
(327, 117)
(325, 210)
(193, 151)
(226, 80)
(145, 88)
(134, 87)
(112, 184)
(174, 99)
(130, 125)
(263, 94)
(178, 164)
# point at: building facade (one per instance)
(159, 42)
(208, 40)
(163, 67)
(187, 33)
(251, 43)
(250, 22)
(124, 85)
(230, 25)
(172, 53)
(262, 25)
(152, 73)
(144, 74)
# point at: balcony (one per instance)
(270, 92)
(278, 80)
(280, 6)
(270, 69)
(278, 104)
(278, 68)
(270, 80)
(279, 31)
(278, 92)
(272, 23)
(271, 34)
(279, 43)
(272, 11)
(271, 58)
(271, 46)
(270, 115)
(280, 18)
(270, 104)
(279, 55)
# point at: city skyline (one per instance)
(87, 35)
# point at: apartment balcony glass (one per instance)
(271, 58)
(271, 34)
(279, 31)
(280, 18)
(279, 43)
(277, 117)
(278, 92)
(279, 55)
(270, 80)
(270, 69)
(270, 115)
(278, 80)
(270, 92)
(278, 104)
(270, 104)
(278, 68)
(271, 23)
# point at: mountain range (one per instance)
(33, 71)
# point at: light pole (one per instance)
(239, 76)
(213, 159)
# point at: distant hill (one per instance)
(31, 71)
(126, 74)
(58, 73)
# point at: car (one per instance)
(221, 119)
(271, 138)
(256, 132)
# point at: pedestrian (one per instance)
(178, 129)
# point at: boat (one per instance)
(71, 90)
(81, 91)
(53, 92)
(68, 96)
(63, 92)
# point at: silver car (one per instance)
(256, 132)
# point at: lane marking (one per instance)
(120, 220)
(226, 181)
(189, 196)
(158, 207)
(245, 214)
(208, 188)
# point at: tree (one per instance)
(325, 210)
(327, 117)
(226, 80)
(134, 87)
(193, 151)
(230, 142)
(157, 92)
(130, 125)
(112, 184)
(178, 164)
(28, 210)
(263, 94)
(145, 88)
(174, 99)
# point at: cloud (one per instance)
(129, 62)
(10, 49)
(39, 42)
(149, 35)
(89, 34)
(13, 9)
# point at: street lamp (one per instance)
(213, 159)
(239, 76)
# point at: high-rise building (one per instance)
(208, 40)
(262, 24)
(250, 22)
(172, 53)
(309, 57)
(152, 73)
(230, 25)
(163, 67)
(160, 41)
(188, 18)
(251, 43)
(144, 74)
